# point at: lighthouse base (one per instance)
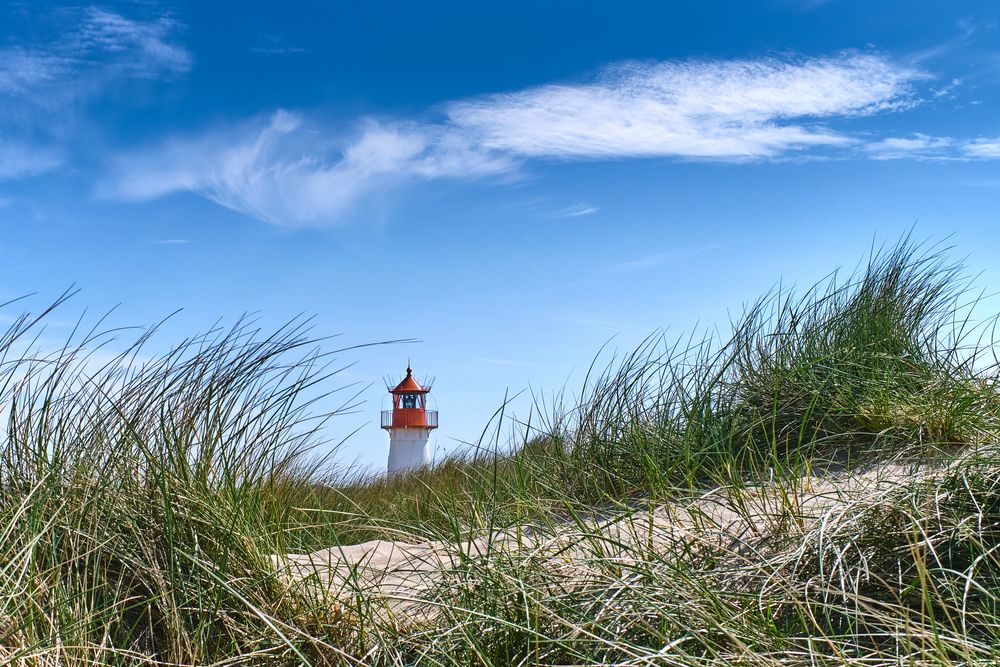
(409, 448)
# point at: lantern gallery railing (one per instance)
(409, 417)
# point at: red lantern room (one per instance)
(409, 406)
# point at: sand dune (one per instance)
(402, 575)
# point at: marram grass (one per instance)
(817, 486)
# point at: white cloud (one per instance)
(577, 210)
(984, 147)
(283, 172)
(279, 50)
(710, 110)
(658, 259)
(290, 172)
(95, 47)
(925, 147)
(18, 159)
(25, 69)
(145, 44)
(46, 85)
(276, 45)
(917, 146)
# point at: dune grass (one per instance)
(883, 362)
(142, 499)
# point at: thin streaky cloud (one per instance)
(18, 160)
(806, 5)
(926, 147)
(269, 44)
(917, 146)
(548, 207)
(278, 50)
(657, 259)
(966, 30)
(97, 45)
(986, 148)
(577, 210)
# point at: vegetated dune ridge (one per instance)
(752, 523)
(853, 548)
(819, 486)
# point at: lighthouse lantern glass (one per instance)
(409, 400)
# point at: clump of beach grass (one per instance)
(140, 498)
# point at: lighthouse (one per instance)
(409, 424)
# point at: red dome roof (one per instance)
(408, 385)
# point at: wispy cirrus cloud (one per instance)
(925, 147)
(720, 110)
(577, 210)
(917, 146)
(658, 259)
(23, 69)
(91, 48)
(45, 84)
(147, 45)
(293, 170)
(552, 208)
(276, 45)
(281, 172)
(19, 159)
(983, 147)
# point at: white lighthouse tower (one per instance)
(409, 424)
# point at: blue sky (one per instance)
(512, 184)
